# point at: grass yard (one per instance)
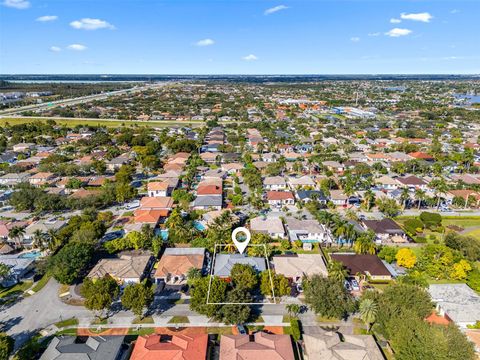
(179, 320)
(41, 283)
(145, 320)
(227, 330)
(141, 331)
(68, 322)
(474, 233)
(104, 122)
(17, 289)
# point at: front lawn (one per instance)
(68, 322)
(17, 289)
(179, 320)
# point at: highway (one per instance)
(79, 100)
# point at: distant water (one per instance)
(469, 99)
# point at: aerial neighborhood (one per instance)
(364, 215)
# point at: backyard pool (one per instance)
(30, 255)
(199, 226)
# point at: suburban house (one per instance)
(275, 183)
(301, 182)
(14, 179)
(307, 231)
(175, 263)
(280, 198)
(412, 182)
(258, 346)
(387, 183)
(44, 226)
(86, 347)
(272, 226)
(171, 347)
(128, 267)
(386, 231)
(19, 267)
(456, 302)
(116, 163)
(333, 345)
(298, 266)
(209, 195)
(225, 262)
(338, 197)
(368, 265)
(309, 195)
(158, 188)
(41, 178)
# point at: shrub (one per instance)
(431, 220)
(295, 329)
(413, 226)
(420, 240)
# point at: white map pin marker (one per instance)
(241, 245)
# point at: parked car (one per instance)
(113, 235)
(299, 288)
(355, 285)
(347, 285)
(241, 329)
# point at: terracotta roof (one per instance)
(158, 185)
(209, 190)
(150, 216)
(421, 155)
(156, 202)
(436, 319)
(175, 347)
(279, 195)
(263, 346)
(178, 264)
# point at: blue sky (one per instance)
(239, 37)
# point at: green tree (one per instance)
(137, 297)
(6, 346)
(328, 297)
(70, 261)
(293, 310)
(243, 277)
(364, 244)
(198, 300)
(337, 271)
(388, 207)
(281, 284)
(368, 312)
(235, 312)
(99, 294)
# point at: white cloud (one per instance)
(397, 32)
(423, 17)
(395, 21)
(355, 39)
(205, 42)
(250, 57)
(46, 18)
(17, 4)
(275, 9)
(91, 24)
(55, 49)
(374, 34)
(77, 47)
(454, 11)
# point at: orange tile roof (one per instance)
(436, 319)
(209, 190)
(265, 346)
(149, 216)
(175, 347)
(279, 195)
(178, 264)
(156, 202)
(158, 185)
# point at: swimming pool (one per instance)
(30, 255)
(199, 226)
(164, 234)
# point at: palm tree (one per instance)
(420, 196)
(39, 239)
(368, 310)
(369, 199)
(16, 233)
(440, 188)
(365, 245)
(404, 197)
(337, 271)
(293, 310)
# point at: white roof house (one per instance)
(457, 301)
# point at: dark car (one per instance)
(241, 329)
